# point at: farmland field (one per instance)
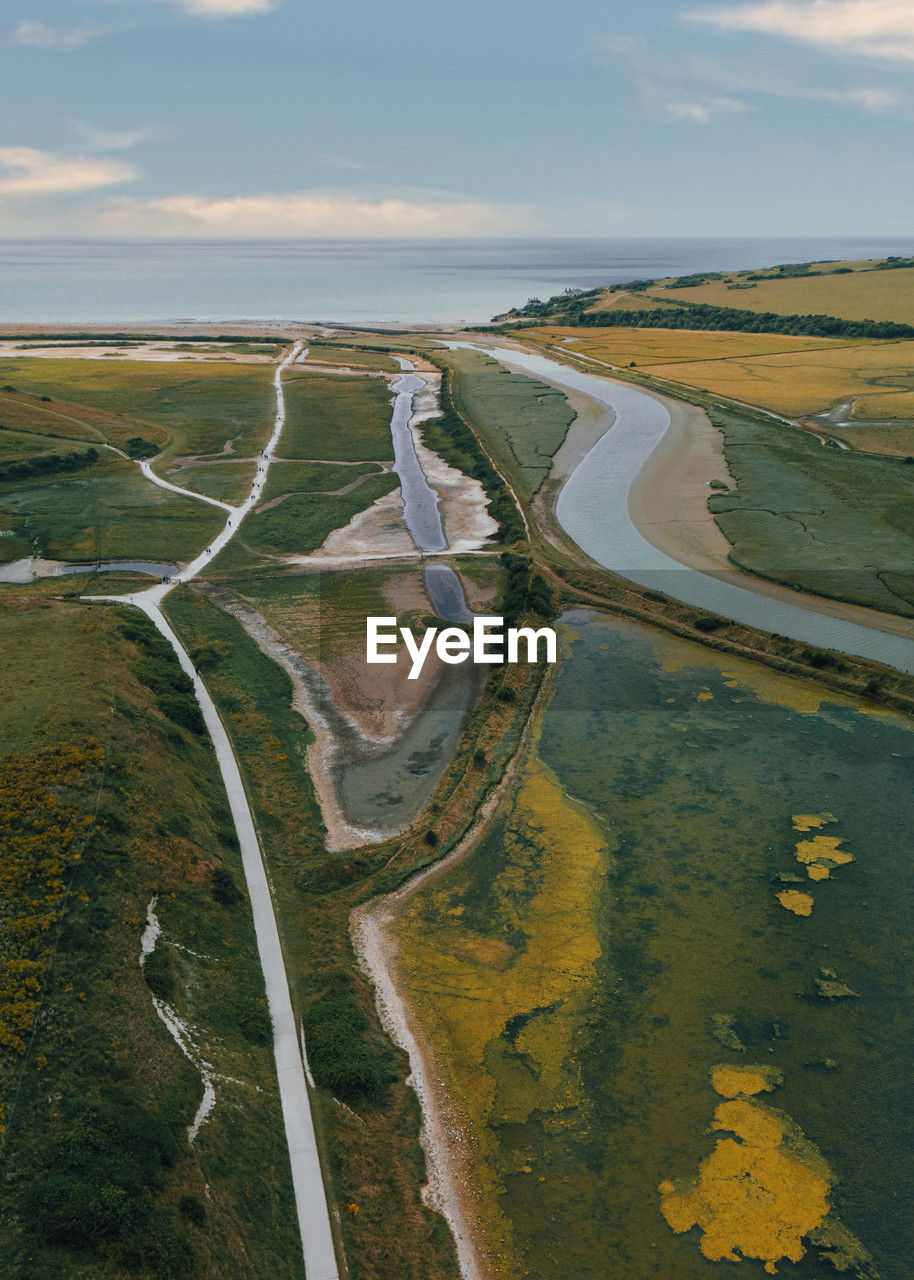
(859, 295)
(794, 376)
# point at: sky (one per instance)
(476, 118)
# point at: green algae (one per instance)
(582, 1099)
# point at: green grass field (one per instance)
(190, 407)
(228, 480)
(337, 418)
(355, 357)
(526, 420)
(302, 521)
(109, 510)
(838, 524)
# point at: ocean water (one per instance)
(356, 281)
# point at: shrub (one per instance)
(225, 891)
(345, 1057)
(253, 1018)
(190, 1208)
(99, 1175)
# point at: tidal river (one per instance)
(593, 509)
(382, 786)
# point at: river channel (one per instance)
(382, 786)
(593, 509)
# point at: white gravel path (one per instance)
(307, 1176)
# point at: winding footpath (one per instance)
(307, 1177)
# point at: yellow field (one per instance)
(863, 295)
(796, 377)
(663, 346)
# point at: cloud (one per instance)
(38, 35)
(307, 213)
(872, 28)
(94, 139)
(333, 161)
(227, 8)
(689, 106)
(221, 8)
(25, 171)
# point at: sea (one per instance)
(367, 282)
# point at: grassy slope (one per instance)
(193, 408)
(108, 510)
(100, 1059)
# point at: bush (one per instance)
(139, 448)
(707, 624)
(225, 891)
(253, 1019)
(99, 1176)
(190, 1208)
(344, 1056)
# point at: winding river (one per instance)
(593, 509)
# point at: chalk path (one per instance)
(307, 1176)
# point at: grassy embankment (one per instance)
(111, 797)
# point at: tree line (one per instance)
(47, 464)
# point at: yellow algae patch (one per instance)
(758, 1193)
(823, 849)
(732, 1082)
(812, 821)
(799, 903)
(816, 871)
(705, 695)
(504, 1001)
